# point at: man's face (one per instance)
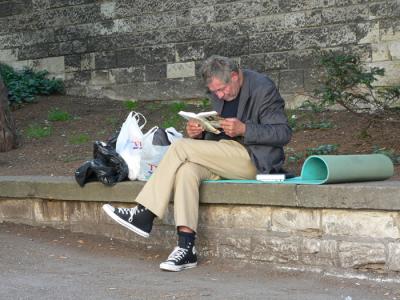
(225, 91)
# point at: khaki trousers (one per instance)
(186, 163)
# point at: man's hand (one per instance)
(194, 129)
(233, 127)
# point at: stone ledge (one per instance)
(381, 195)
(344, 226)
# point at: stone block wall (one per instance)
(152, 49)
(330, 239)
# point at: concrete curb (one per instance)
(378, 195)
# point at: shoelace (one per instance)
(178, 254)
(131, 211)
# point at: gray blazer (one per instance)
(261, 108)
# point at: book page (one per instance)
(205, 114)
(214, 120)
(208, 120)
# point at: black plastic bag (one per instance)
(160, 138)
(107, 166)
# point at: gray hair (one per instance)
(220, 67)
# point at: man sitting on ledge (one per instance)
(254, 131)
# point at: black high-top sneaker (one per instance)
(138, 219)
(183, 256)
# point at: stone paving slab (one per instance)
(44, 263)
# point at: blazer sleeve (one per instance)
(268, 123)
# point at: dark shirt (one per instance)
(229, 110)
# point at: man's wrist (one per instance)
(243, 129)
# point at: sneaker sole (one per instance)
(172, 268)
(109, 210)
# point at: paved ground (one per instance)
(44, 263)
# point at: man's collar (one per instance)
(244, 94)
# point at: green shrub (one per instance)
(345, 81)
(317, 125)
(295, 157)
(38, 131)
(292, 119)
(58, 115)
(314, 106)
(395, 157)
(322, 149)
(302, 120)
(24, 85)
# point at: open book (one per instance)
(209, 120)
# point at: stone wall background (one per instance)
(152, 49)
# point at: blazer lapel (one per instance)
(244, 96)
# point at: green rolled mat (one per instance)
(321, 169)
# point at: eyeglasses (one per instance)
(221, 89)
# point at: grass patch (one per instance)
(38, 131)
(79, 139)
(58, 115)
(152, 105)
(112, 121)
(176, 107)
(205, 104)
(173, 121)
(102, 132)
(71, 158)
(130, 105)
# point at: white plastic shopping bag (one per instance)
(172, 134)
(130, 142)
(153, 154)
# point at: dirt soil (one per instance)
(70, 142)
